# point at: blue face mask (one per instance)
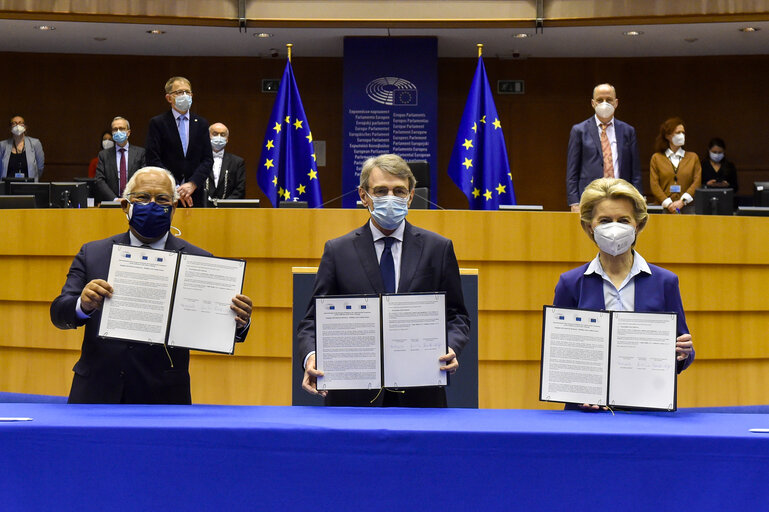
(183, 102)
(389, 211)
(120, 136)
(150, 220)
(716, 157)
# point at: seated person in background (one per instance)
(613, 213)
(674, 174)
(228, 175)
(21, 156)
(717, 171)
(105, 143)
(387, 255)
(116, 371)
(117, 164)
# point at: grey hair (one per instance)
(144, 170)
(389, 163)
(116, 118)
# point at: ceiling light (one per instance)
(263, 34)
(45, 27)
(749, 29)
(521, 35)
(632, 33)
(691, 39)
(100, 39)
(156, 32)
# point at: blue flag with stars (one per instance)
(479, 164)
(287, 169)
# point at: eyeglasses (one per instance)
(144, 198)
(17, 123)
(401, 192)
(180, 92)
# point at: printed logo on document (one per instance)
(390, 90)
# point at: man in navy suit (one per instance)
(587, 161)
(371, 260)
(122, 371)
(117, 164)
(178, 141)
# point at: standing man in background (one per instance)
(228, 175)
(601, 147)
(177, 140)
(118, 163)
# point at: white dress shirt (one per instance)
(622, 298)
(218, 155)
(675, 159)
(396, 248)
(612, 140)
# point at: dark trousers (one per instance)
(431, 396)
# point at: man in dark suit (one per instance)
(178, 141)
(601, 147)
(117, 164)
(371, 260)
(121, 371)
(228, 175)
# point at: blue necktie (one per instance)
(387, 265)
(183, 133)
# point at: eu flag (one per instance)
(287, 169)
(479, 164)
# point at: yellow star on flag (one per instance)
(468, 144)
(270, 145)
(312, 174)
(483, 119)
(280, 191)
(313, 158)
(501, 189)
(276, 127)
(497, 124)
(467, 163)
(275, 180)
(510, 175)
(301, 189)
(286, 195)
(309, 137)
(487, 195)
(268, 163)
(288, 119)
(476, 192)
(298, 124)
(475, 127)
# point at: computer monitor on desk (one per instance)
(6, 189)
(235, 203)
(69, 195)
(521, 207)
(41, 191)
(714, 201)
(761, 193)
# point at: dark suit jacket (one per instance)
(107, 184)
(584, 162)
(232, 179)
(164, 149)
(349, 266)
(656, 292)
(115, 371)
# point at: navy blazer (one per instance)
(164, 149)
(116, 371)
(584, 162)
(107, 183)
(657, 291)
(349, 266)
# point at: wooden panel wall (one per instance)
(69, 99)
(722, 263)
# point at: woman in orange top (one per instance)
(674, 174)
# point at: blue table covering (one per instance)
(106, 457)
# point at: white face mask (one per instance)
(106, 144)
(604, 109)
(716, 157)
(678, 139)
(218, 142)
(614, 238)
(18, 130)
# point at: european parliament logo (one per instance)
(392, 91)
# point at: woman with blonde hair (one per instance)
(613, 213)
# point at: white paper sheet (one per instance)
(643, 358)
(201, 317)
(414, 337)
(347, 342)
(142, 280)
(575, 356)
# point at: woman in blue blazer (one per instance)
(612, 213)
